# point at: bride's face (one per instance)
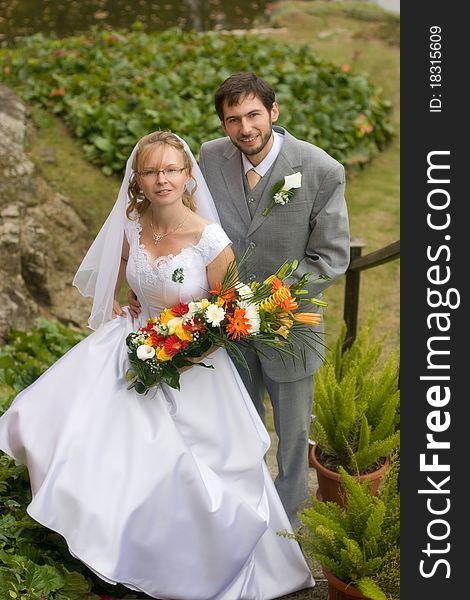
(162, 175)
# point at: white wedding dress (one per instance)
(166, 493)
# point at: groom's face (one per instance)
(249, 125)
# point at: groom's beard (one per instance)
(265, 138)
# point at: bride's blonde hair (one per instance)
(138, 201)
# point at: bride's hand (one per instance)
(117, 310)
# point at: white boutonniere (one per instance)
(284, 190)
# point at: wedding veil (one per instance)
(97, 274)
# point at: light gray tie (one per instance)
(253, 177)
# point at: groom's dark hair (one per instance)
(238, 85)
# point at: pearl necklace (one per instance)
(157, 237)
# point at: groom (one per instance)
(240, 171)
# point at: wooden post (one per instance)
(351, 294)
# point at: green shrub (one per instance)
(356, 406)
(113, 87)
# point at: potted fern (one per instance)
(356, 423)
(357, 545)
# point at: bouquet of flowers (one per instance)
(268, 313)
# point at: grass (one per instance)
(58, 156)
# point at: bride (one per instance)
(166, 493)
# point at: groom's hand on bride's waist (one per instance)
(134, 304)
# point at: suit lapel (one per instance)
(232, 173)
(285, 164)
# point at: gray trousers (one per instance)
(292, 408)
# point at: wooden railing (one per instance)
(357, 264)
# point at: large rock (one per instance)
(42, 239)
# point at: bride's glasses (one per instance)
(168, 173)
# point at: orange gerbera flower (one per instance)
(238, 325)
(226, 295)
(308, 318)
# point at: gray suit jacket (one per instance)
(313, 227)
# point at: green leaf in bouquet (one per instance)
(203, 346)
(139, 387)
(172, 378)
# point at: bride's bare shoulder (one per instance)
(198, 224)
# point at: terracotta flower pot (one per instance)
(329, 482)
(338, 590)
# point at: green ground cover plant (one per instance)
(111, 88)
(27, 354)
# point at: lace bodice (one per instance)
(173, 278)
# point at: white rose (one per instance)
(292, 181)
(193, 308)
(145, 352)
(214, 314)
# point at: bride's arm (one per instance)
(117, 309)
(216, 271)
